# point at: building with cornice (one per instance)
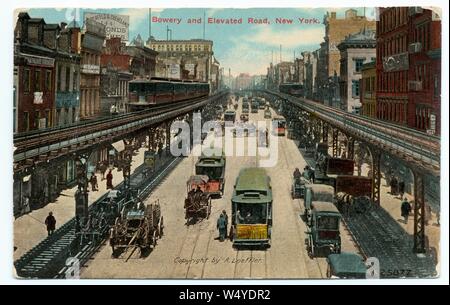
(355, 50)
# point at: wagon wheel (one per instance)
(311, 249)
(111, 239)
(154, 238)
(161, 226)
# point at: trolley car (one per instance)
(251, 207)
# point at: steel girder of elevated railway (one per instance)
(48, 145)
(420, 150)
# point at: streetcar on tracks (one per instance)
(251, 206)
(229, 116)
(279, 126)
(214, 168)
(245, 106)
(254, 105)
(323, 230)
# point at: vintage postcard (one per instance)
(227, 143)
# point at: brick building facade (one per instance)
(408, 67)
(34, 63)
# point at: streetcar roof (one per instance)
(252, 179)
(213, 161)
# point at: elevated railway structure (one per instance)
(419, 151)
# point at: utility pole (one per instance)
(149, 25)
(280, 54)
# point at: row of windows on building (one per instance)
(395, 17)
(39, 81)
(423, 118)
(398, 81)
(394, 45)
(393, 81)
(88, 58)
(89, 102)
(392, 111)
(171, 47)
(368, 109)
(369, 84)
(65, 85)
(42, 118)
(422, 34)
(358, 64)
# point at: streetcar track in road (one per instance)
(207, 248)
(265, 264)
(235, 263)
(188, 230)
(251, 263)
(193, 251)
(297, 224)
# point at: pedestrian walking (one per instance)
(405, 209)
(109, 178)
(94, 183)
(50, 222)
(26, 205)
(221, 226)
(394, 185)
(401, 188)
(428, 214)
(224, 213)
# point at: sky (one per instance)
(243, 48)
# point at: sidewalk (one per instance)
(30, 229)
(391, 204)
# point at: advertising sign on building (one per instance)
(190, 68)
(174, 71)
(38, 98)
(116, 25)
(432, 129)
(90, 69)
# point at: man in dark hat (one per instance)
(50, 222)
